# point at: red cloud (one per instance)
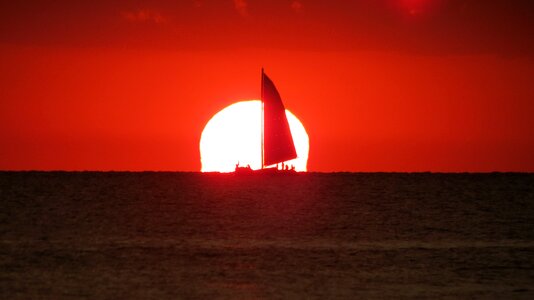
(242, 7)
(296, 6)
(143, 15)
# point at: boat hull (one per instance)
(274, 171)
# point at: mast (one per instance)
(261, 102)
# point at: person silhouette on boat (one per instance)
(237, 167)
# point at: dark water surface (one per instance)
(190, 235)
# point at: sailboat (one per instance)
(277, 144)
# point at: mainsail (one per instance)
(278, 143)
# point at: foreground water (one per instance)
(190, 235)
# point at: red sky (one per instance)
(380, 85)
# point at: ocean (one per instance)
(158, 235)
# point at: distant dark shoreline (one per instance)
(231, 173)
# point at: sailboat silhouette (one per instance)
(277, 144)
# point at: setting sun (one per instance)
(233, 135)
